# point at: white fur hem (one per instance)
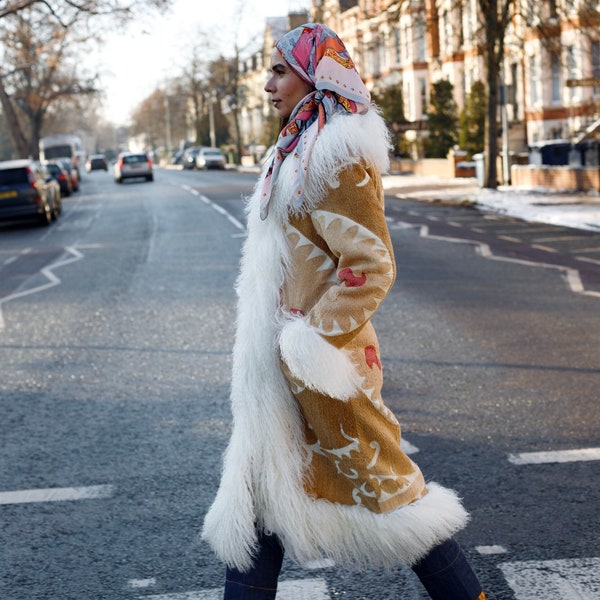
(353, 536)
(319, 365)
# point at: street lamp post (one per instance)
(168, 124)
(211, 119)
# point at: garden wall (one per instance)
(564, 178)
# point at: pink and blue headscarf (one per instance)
(318, 56)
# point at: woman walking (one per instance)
(314, 467)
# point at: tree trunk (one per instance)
(19, 142)
(36, 121)
(491, 126)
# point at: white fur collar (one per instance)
(346, 139)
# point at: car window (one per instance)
(134, 159)
(212, 152)
(13, 177)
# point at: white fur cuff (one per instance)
(319, 365)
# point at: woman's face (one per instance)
(285, 87)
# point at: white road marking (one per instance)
(325, 563)
(215, 206)
(56, 494)
(494, 549)
(136, 584)
(570, 274)
(574, 579)
(590, 260)
(50, 276)
(292, 589)
(408, 447)
(559, 456)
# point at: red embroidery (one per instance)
(298, 312)
(351, 279)
(371, 357)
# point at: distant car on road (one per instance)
(188, 158)
(72, 171)
(58, 172)
(132, 165)
(96, 162)
(28, 191)
(210, 158)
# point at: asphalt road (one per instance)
(116, 326)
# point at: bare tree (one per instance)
(40, 48)
(39, 63)
(67, 12)
(497, 20)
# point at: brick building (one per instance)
(550, 74)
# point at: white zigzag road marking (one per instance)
(47, 272)
(571, 275)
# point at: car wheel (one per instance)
(150, 178)
(118, 180)
(46, 216)
(55, 211)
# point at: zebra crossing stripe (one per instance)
(559, 456)
(575, 579)
(291, 589)
(56, 494)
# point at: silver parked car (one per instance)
(210, 158)
(132, 165)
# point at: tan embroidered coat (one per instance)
(315, 455)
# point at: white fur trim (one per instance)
(223, 524)
(346, 139)
(319, 365)
(357, 538)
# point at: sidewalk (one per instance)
(540, 205)
(580, 211)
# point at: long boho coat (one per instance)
(315, 455)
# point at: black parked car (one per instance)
(58, 172)
(96, 162)
(28, 191)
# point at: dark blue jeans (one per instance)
(445, 573)
(260, 583)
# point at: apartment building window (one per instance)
(595, 52)
(406, 41)
(469, 20)
(534, 78)
(555, 78)
(530, 12)
(571, 59)
(423, 95)
(421, 39)
(380, 41)
(447, 29)
(397, 46)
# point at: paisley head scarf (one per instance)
(318, 56)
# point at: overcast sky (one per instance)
(135, 61)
